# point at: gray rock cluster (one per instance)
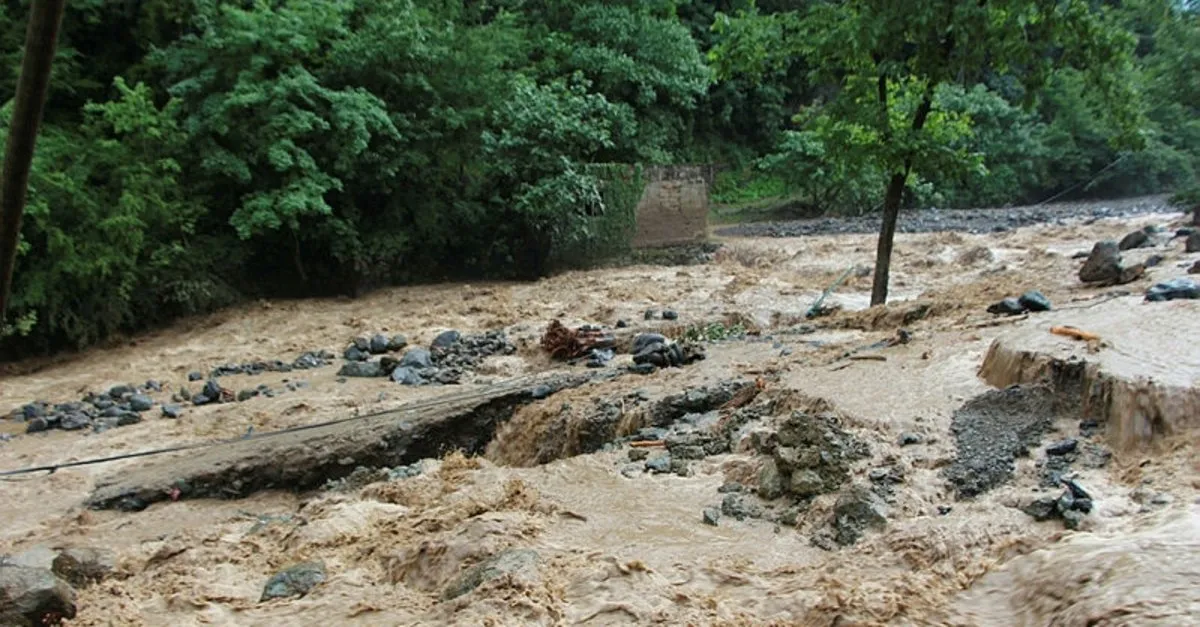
(809, 455)
(448, 358)
(1032, 300)
(1071, 507)
(37, 587)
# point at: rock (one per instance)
(1185, 231)
(416, 359)
(770, 481)
(33, 597)
(201, 399)
(195, 375)
(37, 557)
(737, 507)
(659, 465)
(172, 411)
(1063, 447)
(446, 339)
(909, 439)
(806, 483)
(732, 486)
(643, 369)
(1042, 509)
(1033, 300)
(36, 425)
(362, 369)
(858, 509)
(406, 376)
(1154, 260)
(541, 391)
(519, 564)
(644, 340)
(397, 342)
(74, 421)
(378, 344)
(991, 430)
(128, 418)
(622, 323)
(976, 255)
(118, 392)
(81, 567)
(1076, 490)
(711, 516)
(1103, 265)
(649, 314)
(1007, 307)
(1174, 289)
(1136, 239)
(361, 343)
(246, 395)
(1192, 243)
(294, 581)
(141, 402)
(354, 353)
(638, 454)
(212, 390)
(669, 314)
(1195, 269)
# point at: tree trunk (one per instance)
(41, 39)
(887, 233)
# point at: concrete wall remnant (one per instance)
(674, 207)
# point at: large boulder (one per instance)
(32, 597)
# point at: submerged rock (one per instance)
(521, 564)
(857, 511)
(294, 581)
(1181, 288)
(1137, 239)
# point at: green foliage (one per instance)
(198, 152)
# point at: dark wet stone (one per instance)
(944, 509)
(33, 597)
(446, 339)
(1192, 244)
(195, 375)
(1007, 307)
(118, 392)
(711, 516)
(362, 369)
(128, 418)
(991, 430)
(1033, 300)
(406, 376)
(1063, 447)
(1136, 239)
(416, 358)
(1077, 491)
(74, 421)
(1195, 269)
(141, 402)
(294, 581)
(739, 507)
(1180, 288)
(201, 399)
(245, 395)
(361, 343)
(1073, 519)
(33, 410)
(644, 340)
(1103, 264)
(649, 314)
(172, 411)
(643, 369)
(354, 353)
(103, 403)
(520, 564)
(638, 454)
(621, 324)
(669, 314)
(910, 439)
(212, 390)
(732, 486)
(378, 344)
(1154, 260)
(541, 391)
(397, 342)
(858, 510)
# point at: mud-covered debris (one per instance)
(521, 565)
(811, 455)
(564, 343)
(294, 581)
(1180, 288)
(991, 430)
(858, 510)
(33, 597)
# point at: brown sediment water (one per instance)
(617, 545)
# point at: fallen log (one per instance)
(307, 457)
(1143, 387)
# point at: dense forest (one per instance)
(198, 152)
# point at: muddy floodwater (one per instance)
(850, 469)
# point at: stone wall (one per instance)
(674, 207)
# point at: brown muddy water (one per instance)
(613, 544)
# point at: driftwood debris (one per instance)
(563, 343)
(306, 458)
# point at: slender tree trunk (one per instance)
(41, 39)
(887, 234)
